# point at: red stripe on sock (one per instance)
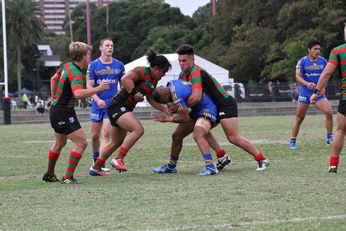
(75, 154)
(71, 170)
(122, 152)
(220, 153)
(53, 156)
(74, 163)
(334, 160)
(259, 156)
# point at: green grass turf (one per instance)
(294, 193)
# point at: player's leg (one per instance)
(117, 135)
(53, 156)
(338, 142)
(181, 131)
(324, 106)
(222, 158)
(96, 118)
(95, 138)
(106, 131)
(302, 107)
(135, 131)
(231, 129)
(201, 129)
(79, 145)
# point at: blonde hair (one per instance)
(78, 49)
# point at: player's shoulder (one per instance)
(116, 61)
(322, 59)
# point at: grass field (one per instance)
(295, 193)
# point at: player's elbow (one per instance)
(79, 94)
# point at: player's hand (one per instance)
(323, 91)
(173, 108)
(104, 85)
(162, 118)
(313, 98)
(311, 86)
(101, 103)
(138, 97)
(167, 110)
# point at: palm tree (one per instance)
(25, 27)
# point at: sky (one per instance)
(187, 7)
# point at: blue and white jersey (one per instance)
(311, 70)
(181, 90)
(112, 72)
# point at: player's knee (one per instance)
(139, 132)
(233, 138)
(95, 136)
(300, 119)
(198, 133)
(176, 136)
(83, 144)
(329, 114)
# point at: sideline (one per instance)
(255, 223)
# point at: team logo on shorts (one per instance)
(222, 113)
(71, 119)
(123, 109)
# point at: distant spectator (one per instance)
(25, 100)
(40, 107)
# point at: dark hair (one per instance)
(104, 40)
(156, 94)
(185, 49)
(159, 61)
(313, 43)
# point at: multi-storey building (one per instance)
(55, 11)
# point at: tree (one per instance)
(25, 28)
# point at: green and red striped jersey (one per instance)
(144, 83)
(338, 58)
(70, 80)
(201, 79)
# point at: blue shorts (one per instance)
(207, 113)
(304, 97)
(97, 114)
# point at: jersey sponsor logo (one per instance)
(71, 120)
(111, 81)
(94, 116)
(302, 98)
(61, 123)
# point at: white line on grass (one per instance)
(254, 223)
(252, 141)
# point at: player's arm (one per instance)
(182, 116)
(301, 80)
(158, 106)
(54, 80)
(90, 85)
(80, 93)
(322, 82)
(195, 97)
(325, 76)
(128, 82)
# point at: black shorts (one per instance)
(115, 110)
(227, 109)
(342, 107)
(63, 120)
